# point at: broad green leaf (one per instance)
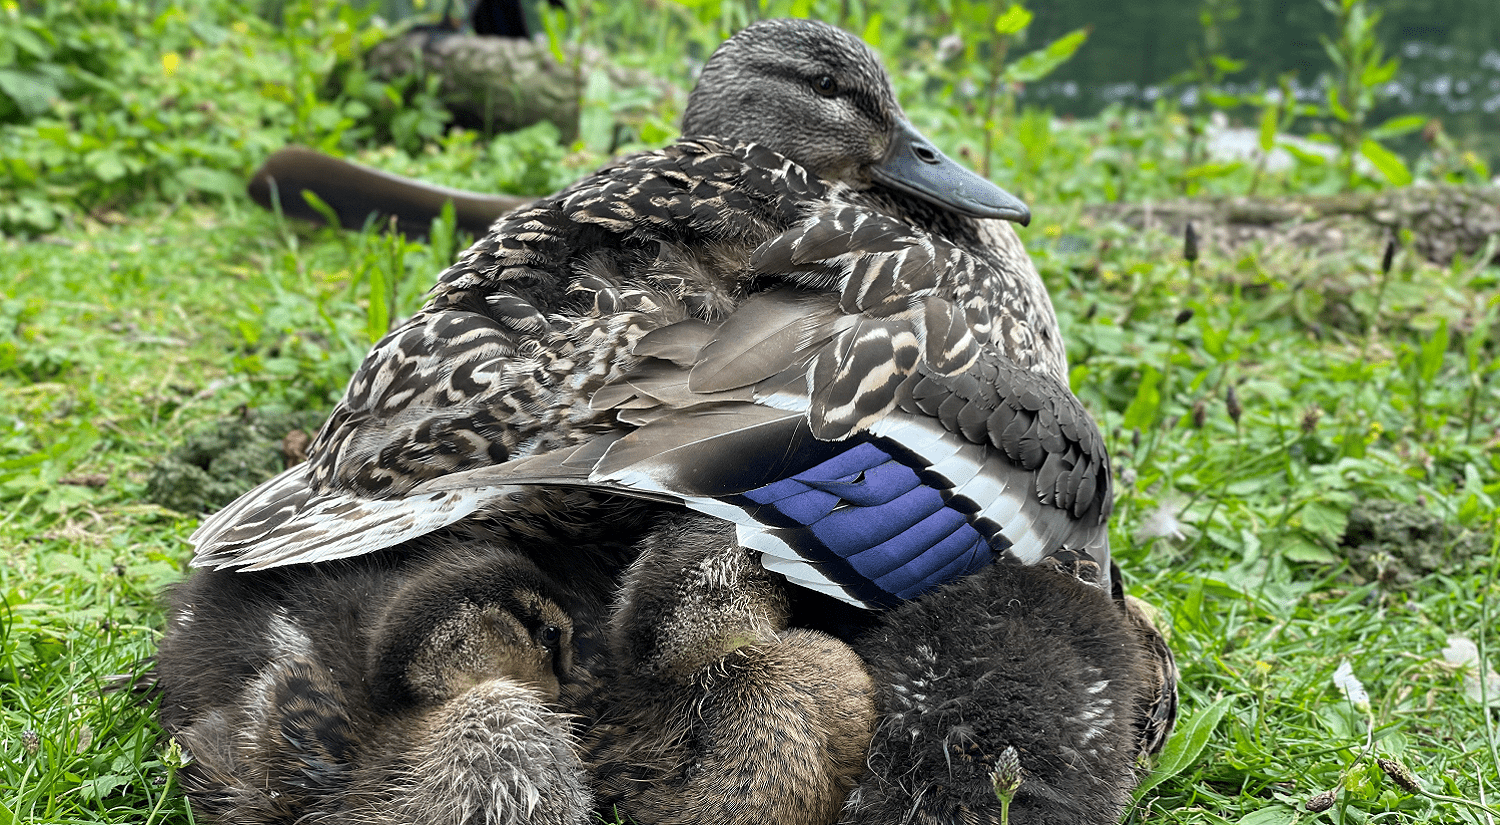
(99, 787)
(1227, 65)
(595, 121)
(1077, 377)
(214, 181)
(1269, 815)
(1014, 20)
(1268, 128)
(1386, 161)
(555, 23)
(37, 44)
(1298, 549)
(1141, 412)
(1187, 742)
(1326, 519)
(1336, 106)
(1040, 63)
(873, 29)
(1470, 510)
(1335, 56)
(1432, 351)
(1213, 170)
(1304, 156)
(32, 93)
(1221, 100)
(1378, 74)
(1397, 126)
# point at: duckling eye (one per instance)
(551, 634)
(826, 86)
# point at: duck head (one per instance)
(821, 97)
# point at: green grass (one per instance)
(148, 311)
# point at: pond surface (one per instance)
(1449, 53)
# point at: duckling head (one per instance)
(459, 624)
(821, 97)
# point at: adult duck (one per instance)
(801, 318)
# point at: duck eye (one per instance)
(826, 86)
(550, 635)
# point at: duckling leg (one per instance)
(715, 712)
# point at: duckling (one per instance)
(713, 709)
(802, 319)
(420, 687)
(1019, 679)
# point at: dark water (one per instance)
(1449, 53)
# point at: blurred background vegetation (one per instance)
(106, 102)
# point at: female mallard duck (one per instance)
(804, 321)
(422, 688)
(818, 335)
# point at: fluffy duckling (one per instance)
(713, 710)
(811, 324)
(1018, 678)
(419, 687)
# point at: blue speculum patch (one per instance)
(870, 523)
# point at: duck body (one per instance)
(423, 686)
(868, 381)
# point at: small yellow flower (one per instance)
(169, 63)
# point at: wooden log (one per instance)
(500, 84)
(1444, 220)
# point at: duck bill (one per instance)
(914, 166)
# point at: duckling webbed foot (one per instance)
(1014, 675)
(714, 711)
